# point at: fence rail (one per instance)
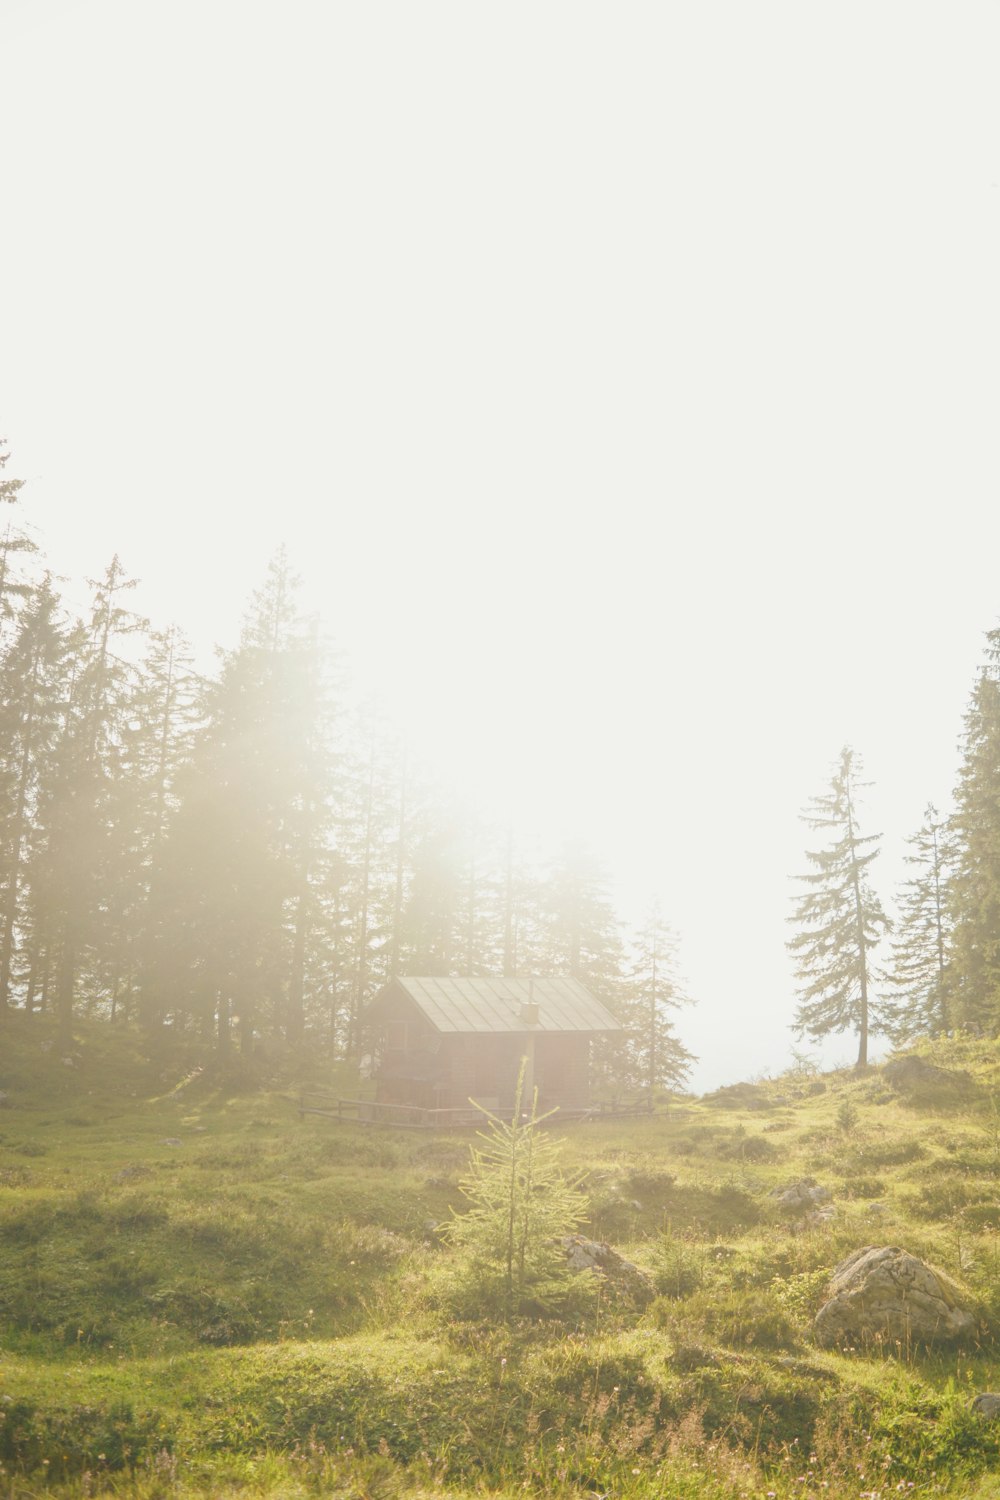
(461, 1117)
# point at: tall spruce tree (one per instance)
(86, 764)
(975, 888)
(15, 545)
(921, 947)
(232, 916)
(840, 918)
(657, 1057)
(32, 690)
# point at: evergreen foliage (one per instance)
(840, 918)
(511, 1261)
(243, 857)
(922, 943)
(975, 976)
(658, 1059)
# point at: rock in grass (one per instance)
(625, 1279)
(882, 1293)
(987, 1404)
(798, 1197)
(129, 1174)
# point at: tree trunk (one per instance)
(64, 995)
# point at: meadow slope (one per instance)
(203, 1293)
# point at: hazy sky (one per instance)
(623, 378)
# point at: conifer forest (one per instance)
(244, 856)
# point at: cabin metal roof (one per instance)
(494, 1005)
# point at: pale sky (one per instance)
(623, 379)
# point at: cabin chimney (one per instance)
(529, 1007)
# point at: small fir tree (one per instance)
(521, 1206)
(840, 918)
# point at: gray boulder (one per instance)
(627, 1281)
(883, 1292)
(800, 1197)
(987, 1405)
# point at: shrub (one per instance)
(754, 1318)
(939, 1200)
(650, 1183)
(892, 1153)
(677, 1269)
(862, 1187)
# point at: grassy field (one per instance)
(203, 1294)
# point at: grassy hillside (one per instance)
(201, 1292)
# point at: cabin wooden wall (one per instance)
(418, 1065)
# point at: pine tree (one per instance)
(233, 915)
(975, 888)
(72, 873)
(511, 1261)
(840, 918)
(579, 936)
(657, 1057)
(15, 545)
(32, 686)
(923, 934)
(155, 745)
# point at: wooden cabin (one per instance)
(438, 1043)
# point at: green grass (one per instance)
(256, 1310)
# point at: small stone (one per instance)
(622, 1277)
(796, 1196)
(819, 1216)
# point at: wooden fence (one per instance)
(464, 1117)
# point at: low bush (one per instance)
(739, 1145)
(651, 1183)
(677, 1268)
(862, 1187)
(755, 1318)
(891, 1153)
(940, 1200)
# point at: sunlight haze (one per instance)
(623, 381)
